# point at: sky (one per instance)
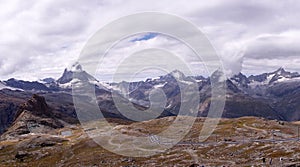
(39, 39)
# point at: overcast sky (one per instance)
(39, 39)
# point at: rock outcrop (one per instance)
(34, 116)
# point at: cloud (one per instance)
(37, 35)
(40, 38)
(159, 46)
(251, 30)
(273, 46)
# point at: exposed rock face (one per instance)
(33, 116)
(14, 102)
(241, 80)
(7, 114)
(9, 104)
(37, 106)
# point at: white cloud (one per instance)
(40, 38)
(126, 48)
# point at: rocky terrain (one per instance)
(33, 116)
(246, 141)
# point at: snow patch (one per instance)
(160, 85)
(3, 86)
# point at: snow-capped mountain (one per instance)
(47, 81)
(4, 86)
(266, 95)
(240, 80)
(168, 80)
(70, 77)
(259, 85)
(25, 85)
(138, 92)
(279, 75)
(75, 75)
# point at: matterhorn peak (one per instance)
(76, 67)
(75, 74)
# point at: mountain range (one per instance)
(273, 95)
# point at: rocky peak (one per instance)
(240, 79)
(48, 80)
(66, 77)
(76, 67)
(281, 74)
(280, 70)
(33, 116)
(173, 76)
(75, 72)
(68, 74)
(37, 106)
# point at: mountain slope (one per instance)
(34, 116)
(9, 104)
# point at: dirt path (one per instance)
(256, 129)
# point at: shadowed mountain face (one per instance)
(9, 104)
(286, 99)
(33, 116)
(37, 106)
(46, 105)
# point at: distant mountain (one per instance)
(243, 98)
(273, 95)
(138, 92)
(48, 80)
(4, 86)
(75, 74)
(279, 75)
(26, 85)
(240, 80)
